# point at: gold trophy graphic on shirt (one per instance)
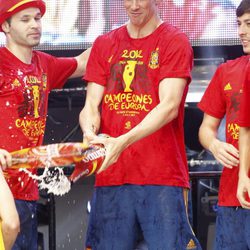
(36, 98)
(128, 75)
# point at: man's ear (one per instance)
(5, 27)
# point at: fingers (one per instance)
(106, 163)
(5, 159)
(227, 155)
(243, 191)
(242, 199)
(88, 136)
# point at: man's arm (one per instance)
(89, 118)
(170, 94)
(244, 181)
(82, 60)
(224, 153)
(8, 215)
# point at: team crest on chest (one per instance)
(154, 59)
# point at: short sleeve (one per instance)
(178, 58)
(213, 102)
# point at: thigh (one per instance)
(27, 237)
(230, 229)
(163, 218)
(112, 223)
(247, 226)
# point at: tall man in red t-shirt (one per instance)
(26, 78)
(138, 78)
(243, 192)
(222, 99)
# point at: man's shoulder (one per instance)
(113, 34)
(171, 33)
(237, 62)
(171, 29)
(41, 54)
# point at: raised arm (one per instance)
(82, 60)
(224, 153)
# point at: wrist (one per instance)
(212, 146)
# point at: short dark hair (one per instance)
(243, 8)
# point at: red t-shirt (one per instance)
(24, 90)
(222, 98)
(131, 70)
(244, 117)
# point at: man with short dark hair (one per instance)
(222, 99)
(243, 192)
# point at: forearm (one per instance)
(244, 145)
(208, 138)
(161, 115)
(89, 120)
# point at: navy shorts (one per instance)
(232, 229)
(120, 213)
(27, 237)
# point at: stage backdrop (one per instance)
(74, 24)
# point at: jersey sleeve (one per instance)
(95, 71)
(213, 102)
(244, 115)
(60, 69)
(178, 58)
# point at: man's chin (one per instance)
(35, 43)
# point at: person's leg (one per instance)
(112, 222)
(9, 220)
(230, 229)
(27, 238)
(162, 215)
(247, 227)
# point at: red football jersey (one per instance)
(244, 117)
(222, 98)
(24, 90)
(131, 70)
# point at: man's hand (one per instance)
(243, 191)
(225, 153)
(5, 159)
(113, 147)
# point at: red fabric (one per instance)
(116, 61)
(24, 93)
(244, 117)
(222, 97)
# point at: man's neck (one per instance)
(24, 54)
(145, 30)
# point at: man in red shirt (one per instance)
(26, 78)
(222, 100)
(243, 192)
(138, 78)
